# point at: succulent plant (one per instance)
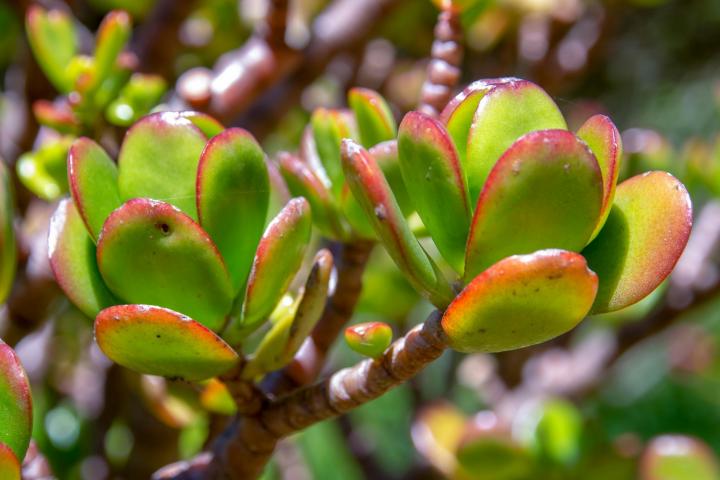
(167, 249)
(316, 171)
(8, 251)
(526, 214)
(95, 89)
(15, 413)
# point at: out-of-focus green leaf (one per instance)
(53, 40)
(375, 122)
(8, 250)
(15, 403)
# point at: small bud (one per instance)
(369, 339)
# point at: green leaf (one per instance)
(58, 117)
(386, 156)
(138, 96)
(509, 110)
(112, 35)
(93, 183)
(493, 456)
(44, 171)
(519, 301)
(329, 127)
(436, 183)
(603, 138)
(645, 233)
(459, 112)
(544, 192)
(15, 403)
(437, 433)
(283, 340)
(678, 457)
(303, 182)
(9, 464)
(53, 40)
(375, 121)
(355, 215)
(370, 339)
(150, 252)
(8, 250)
(207, 124)
(159, 341)
(368, 185)
(232, 198)
(286, 238)
(73, 262)
(159, 159)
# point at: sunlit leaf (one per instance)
(15, 403)
(150, 252)
(678, 457)
(8, 251)
(54, 43)
(645, 233)
(521, 300)
(544, 192)
(9, 464)
(375, 122)
(370, 339)
(159, 341)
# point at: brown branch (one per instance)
(245, 456)
(443, 71)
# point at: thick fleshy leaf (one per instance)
(232, 198)
(15, 402)
(8, 250)
(92, 176)
(138, 96)
(645, 233)
(509, 110)
(216, 398)
(370, 338)
(375, 121)
(159, 341)
(159, 159)
(459, 112)
(521, 300)
(603, 138)
(329, 127)
(372, 191)
(355, 215)
(493, 456)
(436, 183)
(54, 43)
(281, 343)
(285, 239)
(113, 33)
(73, 262)
(544, 192)
(59, 116)
(44, 170)
(207, 124)
(386, 156)
(678, 457)
(150, 252)
(303, 182)
(9, 464)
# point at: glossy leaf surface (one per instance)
(545, 192)
(159, 159)
(73, 261)
(232, 198)
(149, 252)
(159, 341)
(15, 402)
(375, 121)
(436, 183)
(603, 138)
(113, 33)
(645, 233)
(370, 339)
(207, 124)
(277, 260)
(8, 251)
(329, 127)
(372, 191)
(509, 110)
(521, 300)
(92, 176)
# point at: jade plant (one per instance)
(168, 250)
(95, 90)
(8, 251)
(15, 413)
(526, 215)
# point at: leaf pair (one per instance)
(317, 172)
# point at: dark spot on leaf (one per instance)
(555, 276)
(157, 335)
(163, 227)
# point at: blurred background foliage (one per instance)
(635, 394)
